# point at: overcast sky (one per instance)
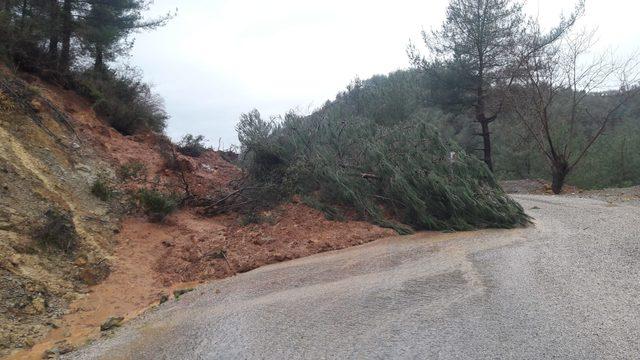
(218, 58)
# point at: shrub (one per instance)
(255, 217)
(157, 204)
(101, 189)
(133, 170)
(57, 231)
(192, 145)
(123, 99)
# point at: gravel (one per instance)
(565, 288)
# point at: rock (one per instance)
(178, 293)
(52, 324)
(39, 305)
(113, 322)
(64, 347)
(168, 243)
(80, 261)
(83, 168)
(206, 168)
(51, 353)
(36, 105)
(164, 299)
(15, 260)
(263, 240)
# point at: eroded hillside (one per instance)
(69, 260)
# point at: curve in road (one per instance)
(564, 288)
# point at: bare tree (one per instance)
(566, 94)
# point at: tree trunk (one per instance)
(67, 30)
(54, 28)
(486, 140)
(559, 174)
(98, 65)
(23, 14)
(482, 119)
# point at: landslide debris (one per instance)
(76, 242)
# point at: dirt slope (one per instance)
(50, 299)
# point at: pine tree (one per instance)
(476, 43)
(108, 25)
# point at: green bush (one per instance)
(57, 231)
(123, 99)
(101, 189)
(401, 175)
(192, 145)
(157, 204)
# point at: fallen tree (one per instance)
(403, 176)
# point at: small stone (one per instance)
(53, 325)
(39, 305)
(113, 322)
(178, 293)
(15, 260)
(51, 353)
(164, 299)
(64, 347)
(167, 243)
(263, 240)
(80, 261)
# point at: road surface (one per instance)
(567, 288)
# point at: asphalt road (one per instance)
(567, 288)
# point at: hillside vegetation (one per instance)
(404, 95)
